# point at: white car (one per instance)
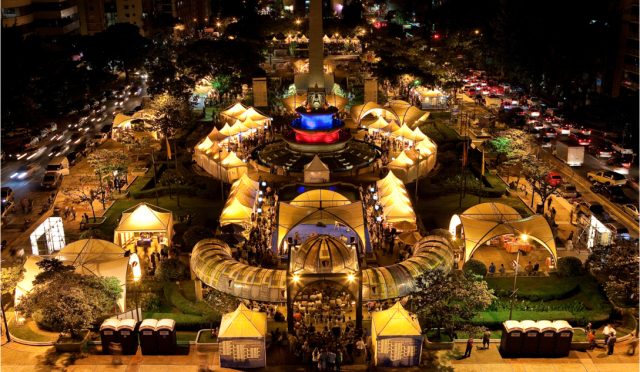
(631, 210)
(24, 172)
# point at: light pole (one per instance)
(417, 173)
(524, 238)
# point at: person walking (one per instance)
(591, 339)
(467, 352)
(486, 337)
(607, 333)
(73, 213)
(611, 342)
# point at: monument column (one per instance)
(316, 47)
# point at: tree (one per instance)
(448, 300)
(171, 269)
(172, 113)
(107, 51)
(85, 300)
(11, 276)
(171, 178)
(616, 266)
(194, 234)
(85, 191)
(537, 173)
(108, 164)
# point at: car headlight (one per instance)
(14, 175)
(22, 175)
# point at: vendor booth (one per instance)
(242, 339)
(144, 226)
(396, 338)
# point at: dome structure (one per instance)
(324, 254)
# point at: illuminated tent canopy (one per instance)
(143, 218)
(212, 263)
(89, 257)
(398, 280)
(323, 254)
(400, 111)
(232, 112)
(235, 212)
(396, 337)
(316, 171)
(487, 221)
(296, 100)
(319, 198)
(351, 215)
(242, 339)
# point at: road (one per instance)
(576, 175)
(29, 187)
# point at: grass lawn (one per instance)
(587, 304)
(29, 331)
(436, 212)
(186, 336)
(551, 287)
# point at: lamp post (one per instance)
(524, 238)
(417, 174)
(220, 174)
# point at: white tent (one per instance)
(233, 167)
(379, 124)
(403, 166)
(216, 136)
(487, 221)
(232, 113)
(316, 171)
(396, 337)
(89, 257)
(242, 339)
(143, 218)
(235, 212)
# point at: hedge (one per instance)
(535, 288)
(173, 295)
(475, 267)
(570, 267)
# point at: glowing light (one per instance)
(351, 278)
(134, 262)
(295, 278)
(524, 237)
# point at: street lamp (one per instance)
(524, 238)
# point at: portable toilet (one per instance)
(511, 341)
(109, 333)
(530, 337)
(564, 336)
(148, 337)
(128, 336)
(166, 331)
(546, 338)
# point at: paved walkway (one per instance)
(19, 358)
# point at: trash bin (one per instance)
(128, 336)
(564, 336)
(546, 339)
(167, 342)
(109, 333)
(530, 338)
(148, 337)
(511, 341)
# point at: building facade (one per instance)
(625, 73)
(92, 16)
(49, 18)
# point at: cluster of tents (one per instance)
(303, 39)
(140, 120)
(394, 201)
(211, 152)
(241, 202)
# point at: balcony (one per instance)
(17, 21)
(57, 14)
(58, 30)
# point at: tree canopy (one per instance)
(617, 266)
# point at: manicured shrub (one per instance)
(475, 267)
(570, 266)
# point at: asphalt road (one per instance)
(29, 187)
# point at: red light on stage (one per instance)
(317, 137)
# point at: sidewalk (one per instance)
(19, 358)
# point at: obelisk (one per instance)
(316, 47)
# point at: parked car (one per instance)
(614, 194)
(618, 230)
(621, 160)
(554, 179)
(24, 171)
(51, 180)
(591, 208)
(601, 151)
(73, 157)
(631, 210)
(568, 191)
(607, 177)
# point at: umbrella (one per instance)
(232, 228)
(410, 237)
(405, 226)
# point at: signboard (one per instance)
(371, 90)
(260, 95)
